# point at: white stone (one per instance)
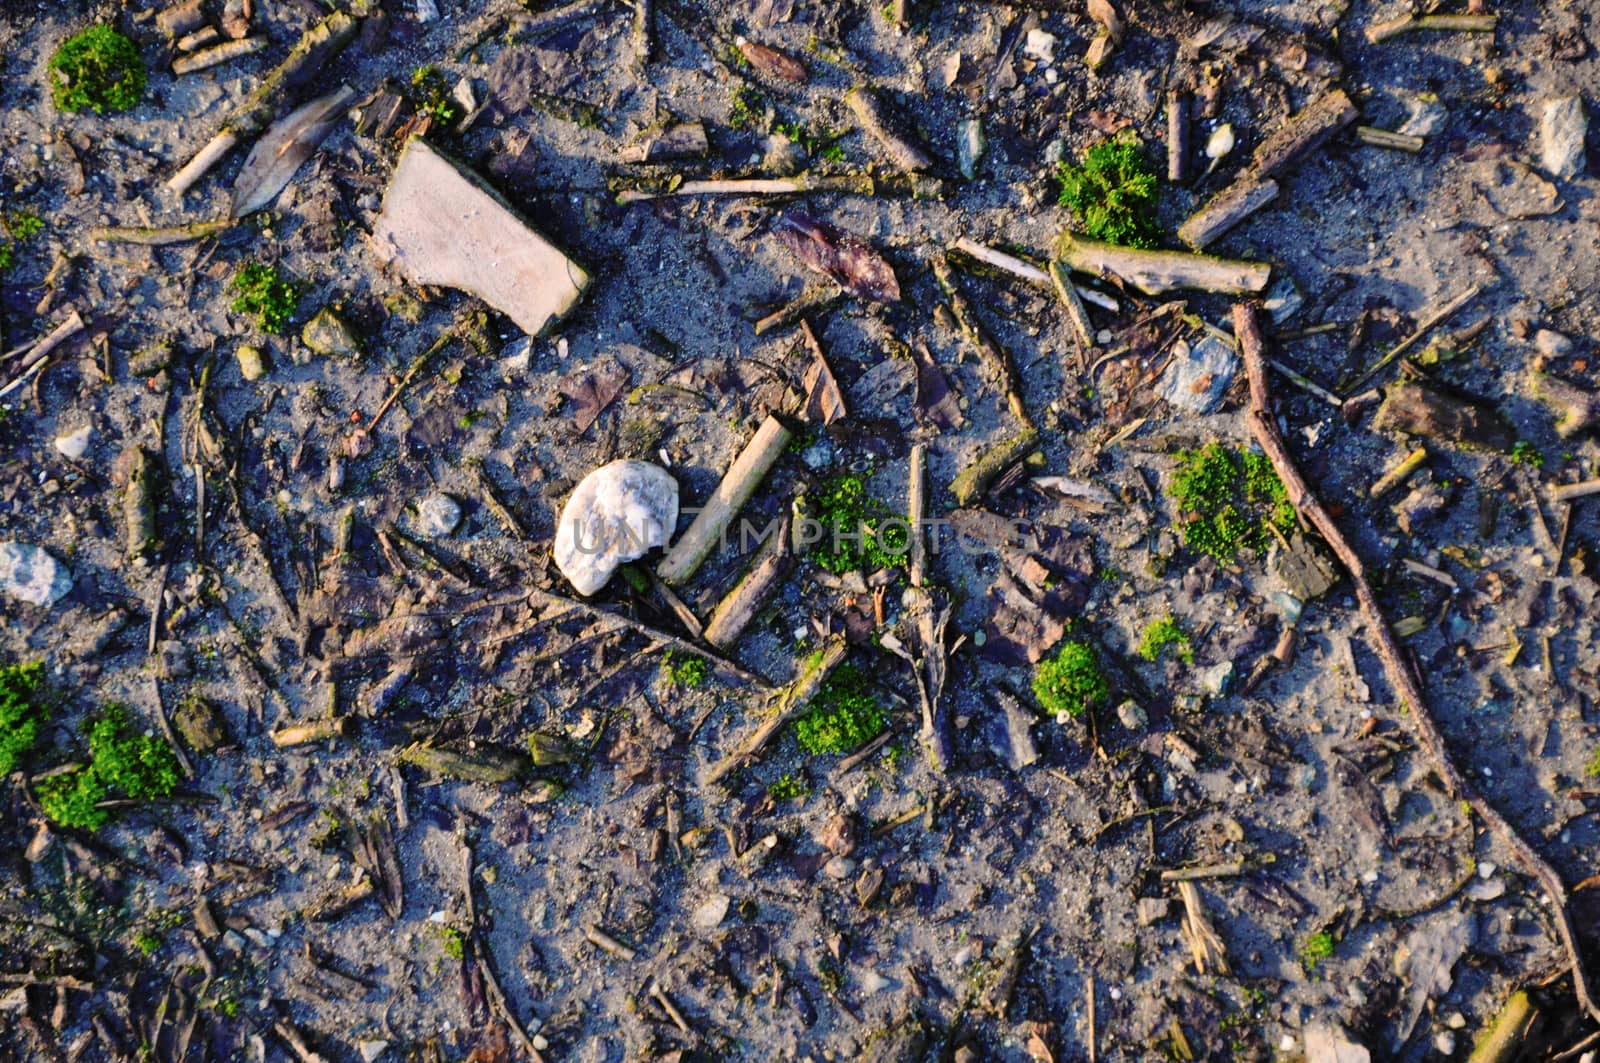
(1562, 129)
(1220, 142)
(372, 1051)
(31, 574)
(710, 914)
(873, 982)
(74, 445)
(437, 516)
(1198, 377)
(970, 144)
(1487, 869)
(1040, 45)
(1445, 1043)
(619, 512)
(1552, 344)
(1327, 1044)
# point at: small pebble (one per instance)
(1445, 1043)
(1552, 344)
(437, 516)
(74, 445)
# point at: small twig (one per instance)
(1572, 492)
(167, 733)
(1379, 32)
(790, 702)
(1423, 328)
(1204, 944)
(1397, 475)
(659, 995)
(602, 940)
(1191, 874)
(1383, 138)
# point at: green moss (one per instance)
(97, 70)
(1318, 947)
(850, 520)
(1227, 497)
(134, 766)
(1162, 635)
(1070, 682)
(453, 942)
(749, 110)
(433, 95)
(843, 716)
(1525, 453)
(686, 671)
(794, 786)
(22, 712)
(1113, 192)
(1593, 768)
(20, 226)
(264, 292)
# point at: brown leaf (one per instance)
(375, 853)
(848, 260)
(591, 392)
(284, 148)
(936, 403)
(772, 63)
(824, 401)
(1041, 1033)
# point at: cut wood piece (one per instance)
(220, 54)
(1158, 272)
(1304, 133)
(747, 471)
(749, 596)
(1420, 410)
(874, 118)
(1226, 209)
(1177, 136)
(284, 148)
(180, 18)
(443, 225)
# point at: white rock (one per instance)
(1445, 1043)
(1552, 344)
(710, 914)
(1561, 134)
(437, 516)
(31, 574)
(1220, 142)
(873, 982)
(1487, 869)
(619, 512)
(1425, 116)
(74, 445)
(371, 1051)
(970, 144)
(1327, 1044)
(1198, 377)
(1040, 45)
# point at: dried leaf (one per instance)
(766, 13)
(824, 401)
(375, 853)
(848, 260)
(1041, 1033)
(591, 392)
(284, 148)
(936, 403)
(772, 63)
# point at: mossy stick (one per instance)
(1379, 32)
(162, 236)
(1025, 269)
(1402, 678)
(998, 358)
(1503, 1040)
(741, 480)
(1397, 475)
(789, 703)
(194, 61)
(870, 112)
(974, 480)
(1159, 272)
(749, 596)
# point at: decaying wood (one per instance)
(163, 235)
(1226, 209)
(180, 18)
(1028, 271)
(1402, 678)
(749, 596)
(788, 704)
(917, 513)
(973, 481)
(1178, 148)
(874, 118)
(998, 359)
(484, 764)
(1159, 272)
(309, 59)
(1399, 474)
(222, 53)
(741, 480)
(1204, 944)
(300, 734)
(1082, 328)
(1379, 32)
(1429, 321)
(1420, 410)
(1383, 138)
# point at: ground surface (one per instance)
(764, 951)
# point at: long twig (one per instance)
(1399, 673)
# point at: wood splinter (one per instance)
(790, 702)
(740, 482)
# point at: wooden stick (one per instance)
(1226, 209)
(1158, 272)
(1569, 492)
(1082, 327)
(812, 300)
(1379, 32)
(757, 186)
(602, 940)
(1026, 270)
(746, 473)
(300, 734)
(1307, 131)
(1401, 678)
(188, 64)
(917, 513)
(749, 596)
(1397, 475)
(1177, 137)
(791, 701)
(1384, 138)
(1421, 332)
(998, 358)
(162, 236)
(1306, 384)
(870, 112)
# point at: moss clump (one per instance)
(794, 786)
(1161, 636)
(97, 70)
(1229, 498)
(433, 95)
(264, 292)
(1113, 192)
(20, 227)
(1318, 947)
(21, 712)
(749, 110)
(850, 521)
(1593, 768)
(132, 766)
(686, 671)
(1071, 682)
(843, 716)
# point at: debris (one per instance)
(681, 140)
(327, 334)
(973, 482)
(1328, 1044)
(847, 260)
(750, 595)
(31, 574)
(1379, 32)
(1020, 748)
(771, 62)
(1158, 272)
(788, 704)
(1506, 1034)
(1383, 138)
(970, 146)
(711, 912)
(441, 225)
(1220, 143)
(1576, 410)
(1562, 130)
(1204, 945)
(1197, 378)
(220, 53)
(738, 484)
(1399, 474)
(1177, 137)
(284, 148)
(1429, 321)
(1303, 567)
(74, 445)
(1108, 37)
(252, 362)
(592, 390)
(824, 401)
(1422, 410)
(997, 360)
(875, 119)
(617, 513)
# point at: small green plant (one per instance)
(433, 95)
(1161, 636)
(1593, 768)
(263, 291)
(453, 942)
(749, 110)
(1525, 453)
(794, 786)
(1318, 947)
(1227, 498)
(1113, 192)
(686, 671)
(97, 70)
(1070, 682)
(843, 716)
(136, 766)
(22, 711)
(849, 521)
(20, 226)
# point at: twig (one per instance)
(741, 480)
(870, 112)
(1569, 492)
(1397, 475)
(1379, 32)
(1422, 330)
(1177, 139)
(862, 755)
(813, 300)
(37, 356)
(166, 732)
(756, 186)
(163, 235)
(659, 995)
(1158, 272)
(1028, 271)
(1383, 138)
(602, 940)
(1190, 874)
(1204, 944)
(766, 573)
(917, 513)
(1400, 675)
(790, 702)
(999, 359)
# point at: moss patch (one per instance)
(1071, 681)
(851, 521)
(1113, 191)
(843, 716)
(22, 712)
(1228, 499)
(1162, 635)
(266, 294)
(687, 670)
(120, 764)
(97, 70)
